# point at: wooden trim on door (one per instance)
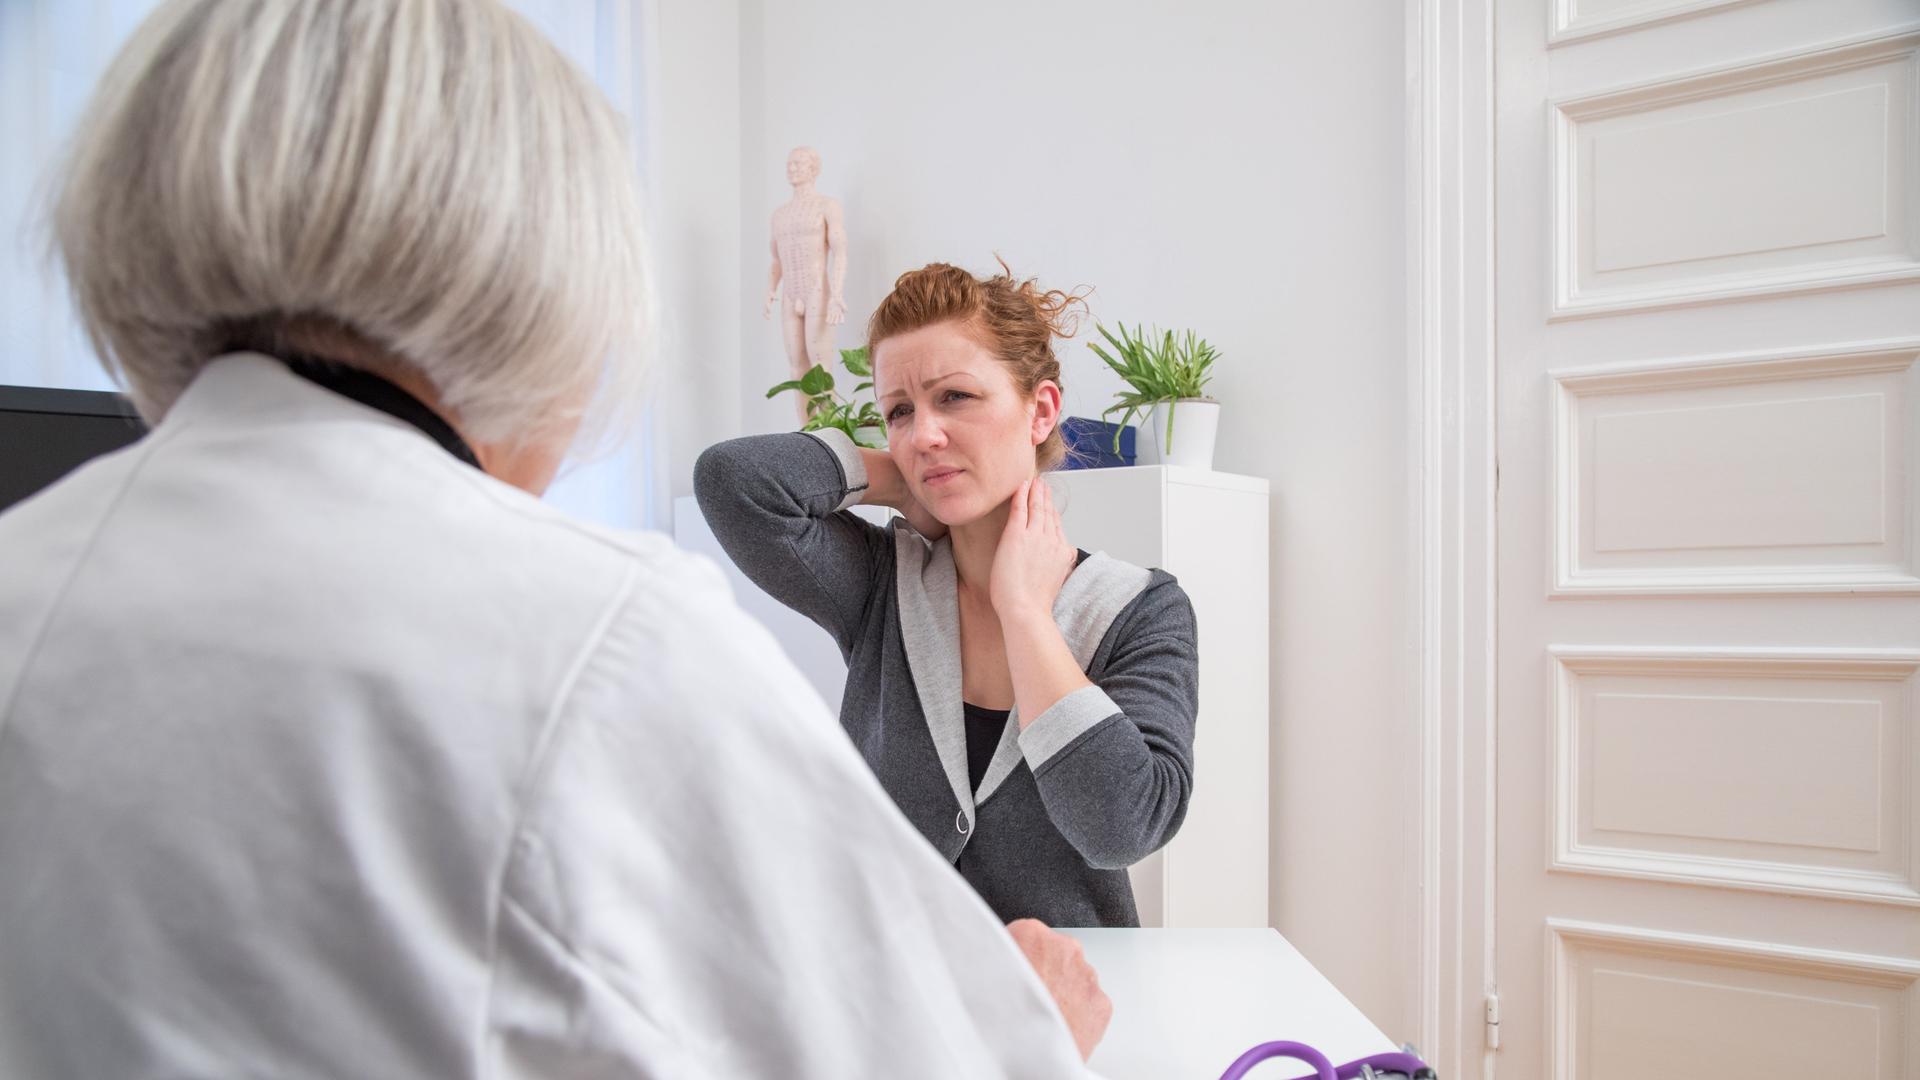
(1450, 215)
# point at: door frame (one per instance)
(1453, 484)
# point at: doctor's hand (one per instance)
(1033, 559)
(1075, 986)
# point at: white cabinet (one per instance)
(1208, 529)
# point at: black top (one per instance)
(984, 727)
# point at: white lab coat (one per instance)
(323, 754)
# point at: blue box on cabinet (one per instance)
(1090, 444)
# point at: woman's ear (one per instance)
(1046, 411)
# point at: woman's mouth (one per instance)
(939, 476)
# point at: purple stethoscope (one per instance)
(1404, 1064)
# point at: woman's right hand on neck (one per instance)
(887, 487)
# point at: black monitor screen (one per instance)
(45, 434)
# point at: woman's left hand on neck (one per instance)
(1032, 559)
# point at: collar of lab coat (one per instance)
(1092, 597)
(253, 388)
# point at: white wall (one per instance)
(1235, 167)
(692, 54)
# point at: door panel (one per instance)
(1708, 423)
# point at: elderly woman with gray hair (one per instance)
(326, 748)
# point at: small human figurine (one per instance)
(809, 269)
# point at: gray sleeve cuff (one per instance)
(1069, 718)
(852, 465)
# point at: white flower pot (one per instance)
(1195, 423)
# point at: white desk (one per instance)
(1186, 1003)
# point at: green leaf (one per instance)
(1105, 358)
(863, 386)
(1157, 366)
(817, 380)
(790, 384)
(1128, 411)
(856, 361)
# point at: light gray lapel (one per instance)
(1093, 596)
(930, 627)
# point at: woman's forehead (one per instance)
(906, 361)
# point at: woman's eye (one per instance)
(896, 413)
(956, 395)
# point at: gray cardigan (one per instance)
(1095, 784)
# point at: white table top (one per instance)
(1186, 1003)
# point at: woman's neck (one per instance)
(974, 545)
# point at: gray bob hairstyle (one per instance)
(431, 176)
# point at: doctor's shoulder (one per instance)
(673, 574)
(685, 601)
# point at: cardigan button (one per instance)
(960, 823)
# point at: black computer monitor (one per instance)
(45, 434)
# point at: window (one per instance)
(52, 53)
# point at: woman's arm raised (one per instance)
(774, 503)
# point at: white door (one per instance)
(1708, 366)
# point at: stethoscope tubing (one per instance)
(1324, 1069)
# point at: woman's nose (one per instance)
(927, 433)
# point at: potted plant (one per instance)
(1166, 378)
(827, 409)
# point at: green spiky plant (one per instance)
(827, 409)
(1157, 367)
